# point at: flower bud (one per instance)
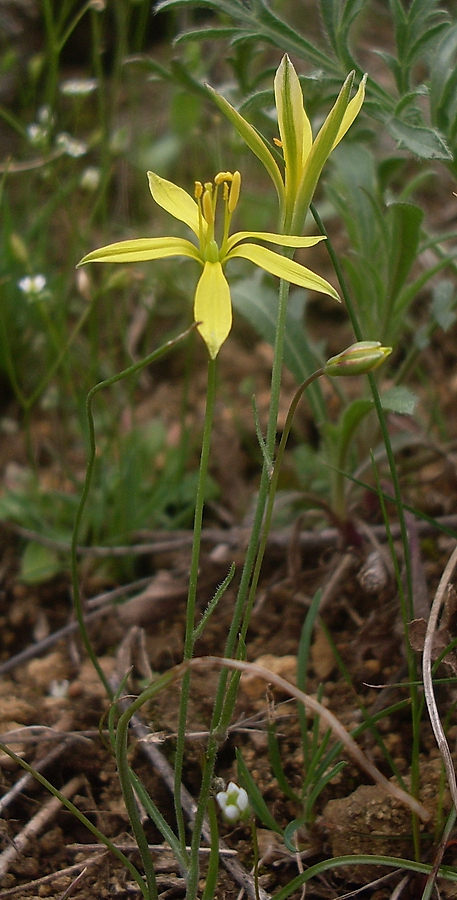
(358, 359)
(234, 804)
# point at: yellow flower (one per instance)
(212, 302)
(304, 157)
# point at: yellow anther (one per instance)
(225, 192)
(207, 206)
(209, 187)
(198, 190)
(234, 191)
(223, 176)
(277, 142)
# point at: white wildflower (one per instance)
(36, 134)
(78, 87)
(234, 803)
(59, 689)
(90, 179)
(70, 146)
(32, 285)
(45, 116)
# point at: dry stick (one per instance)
(40, 765)
(235, 537)
(35, 825)
(427, 675)
(154, 848)
(103, 603)
(310, 703)
(53, 876)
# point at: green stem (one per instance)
(189, 640)
(224, 703)
(271, 499)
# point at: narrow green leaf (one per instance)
(290, 830)
(275, 757)
(255, 797)
(405, 220)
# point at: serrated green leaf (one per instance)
(38, 563)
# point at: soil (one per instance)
(52, 703)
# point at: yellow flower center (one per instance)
(206, 196)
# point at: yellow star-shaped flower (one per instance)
(212, 301)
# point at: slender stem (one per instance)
(271, 499)
(251, 555)
(224, 703)
(189, 640)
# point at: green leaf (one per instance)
(255, 797)
(444, 303)
(347, 426)
(290, 830)
(399, 399)
(427, 143)
(38, 563)
(405, 222)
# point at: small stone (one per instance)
(42, 672)
(285, 666)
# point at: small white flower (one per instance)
(78, 87)
(45, 116)
(36, 134)
(59, 689)
(90, 179)
(70, 146)
(234, 803)
(32, 284)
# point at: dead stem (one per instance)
(438, 730)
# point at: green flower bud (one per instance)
(358, 359)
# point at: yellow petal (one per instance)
(176, 201)
(284, 240)
(213, 307)
(142, 249)
(353, 109)
(283, 268)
